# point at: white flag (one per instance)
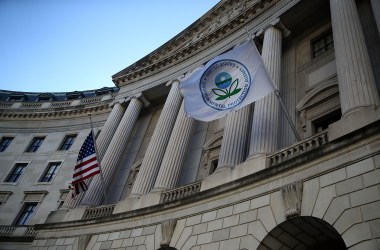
(226, 83)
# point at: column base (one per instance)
(228, 174)
(133, 203)
(353, 121)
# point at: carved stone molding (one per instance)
(83, 241)
(292, 194)
(167, 230)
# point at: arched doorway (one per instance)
(303, 233)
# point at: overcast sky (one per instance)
(68, 45)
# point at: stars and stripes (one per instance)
(87, 165)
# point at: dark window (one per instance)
(36, 143)
(26, 214)
(69, 140)
(323, 122)
(322, 44)
(50, 172)
(16, 173)
(16, 98)
(5, 143)
(214, 165)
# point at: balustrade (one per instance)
(298, 149)
(181, 192)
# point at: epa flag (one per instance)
(226, 83)
(87, 165)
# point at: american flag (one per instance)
(87, 165)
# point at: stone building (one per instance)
(241, 182)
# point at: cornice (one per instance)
(224, 19)
(66, 112)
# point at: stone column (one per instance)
(264, 134)
(109, 129)
(175, 152)
(94, 194)
(355, 77)
(102, 142)
(376, 12)
(157, 145)
(234, 145)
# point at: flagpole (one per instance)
(100, 168)
(298, 137)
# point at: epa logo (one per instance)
(225, 84)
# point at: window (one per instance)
(36, 143)
(50, 172)
(322, 44)
(16, 173)
(214, 165)
(67, 142)
(26, 213)
(323, 122)
(5, 143)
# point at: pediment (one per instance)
(319, 94)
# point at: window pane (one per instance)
(69, 140)
(35, 144)
(16, 172)
(50, 172)
(26, 214)
(322, 44)
(5, 143)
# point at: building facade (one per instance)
(244, 181)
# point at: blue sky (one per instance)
(68, 45)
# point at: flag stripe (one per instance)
(88, 176)
(83, 163)
(86, 167)
(84, 170)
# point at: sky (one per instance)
(76, 45)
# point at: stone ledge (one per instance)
(353, 122)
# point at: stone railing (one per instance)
(96, 212)
(298, 149)
(60, 104)
(91, 100)
(181, 192)
(17, 231)
(7, 231)
(6, 104)
(30, 105)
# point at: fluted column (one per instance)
(94, 195)
(155, 152)
(109, 128)
(355, 77)
(376, 12)
(175, 152)
(102, 142)
(264, 134)
(234, 145)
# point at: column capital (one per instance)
(275, 23)
(171, 82)
(139, 96)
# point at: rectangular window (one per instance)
(322, 44)
(36, 143)
(67, 142)
(16, 173)
(5, 143)
(26, 214)
(50, 172)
